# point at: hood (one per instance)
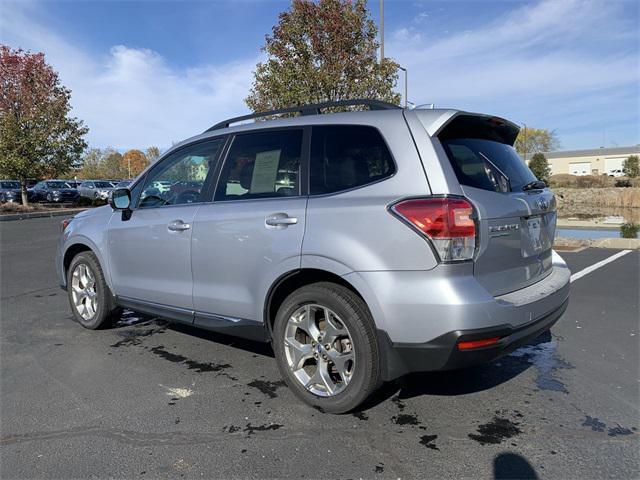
(90, 212)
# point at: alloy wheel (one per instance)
(319, 350)
(83, 291)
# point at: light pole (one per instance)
(406, 100)
(381, 30)
(525, 142)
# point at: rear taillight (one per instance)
(446, 221)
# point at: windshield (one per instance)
(57, 185)
(15, 185)
(487, 164)
(103, 185)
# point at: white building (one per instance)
(590, 162)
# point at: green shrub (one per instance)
(629, 230)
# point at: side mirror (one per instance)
(120, 199)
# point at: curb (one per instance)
(618, 243)
(47, 214)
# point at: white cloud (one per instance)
(566, 65)
(131, 97)
(540, 62)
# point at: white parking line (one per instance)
(595, 266)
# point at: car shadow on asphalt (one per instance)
(447, 383)
(258, 348)
(455, 382)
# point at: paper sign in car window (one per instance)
(265, 171)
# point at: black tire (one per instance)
(353, 312)
(106, 312)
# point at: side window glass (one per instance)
(347, 156)
(179, 178)
(262, 165)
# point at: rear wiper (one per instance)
(535, 185)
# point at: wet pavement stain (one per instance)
(428, 441)
(267, 387)
(251, 429)
(134, 337)
(406, 419)
(496, 431)
(361, 416)
(231, 429)
(544, 358)
(199, 367)
(618, 430)
(594, 423)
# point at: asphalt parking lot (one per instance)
(148, 399)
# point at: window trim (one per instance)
(357, 187)
(204, 193)
(303, 168)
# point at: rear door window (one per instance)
(347, 156)
(262, 165)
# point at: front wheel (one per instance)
(91, 301)
(325, 345)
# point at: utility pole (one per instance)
(381, 30)
(406, 98)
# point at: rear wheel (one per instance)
(325, 344)
(91, 301)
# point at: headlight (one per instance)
(55, 192)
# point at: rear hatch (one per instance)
(516, 214)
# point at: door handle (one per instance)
(178, 226)
(280, 220)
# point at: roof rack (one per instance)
(311, 109)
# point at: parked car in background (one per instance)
(73, 183)
(361, 245)
(10, 191)
(162, 186)
(54, 191)
(95, 189)
(123, 184)
(616, 173)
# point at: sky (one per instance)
(156, 72)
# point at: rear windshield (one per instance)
(10, 184)
(487, 164)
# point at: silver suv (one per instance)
(362, 245)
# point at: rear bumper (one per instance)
(421, 315)
(442, 353)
